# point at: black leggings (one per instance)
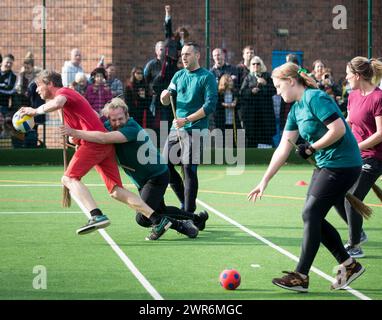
(186, 190)
(326, 187)
(371, 170)
(153, 194)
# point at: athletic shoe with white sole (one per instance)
(94, 223)
(292, 281)
(355, 252)
(202, 218)
(159, 229)
(363, 239)
(346, 275)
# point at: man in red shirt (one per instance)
(78, 114)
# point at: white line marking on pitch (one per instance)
(47, 185)
(37, 212)
(125, 259)
(55, 185)
(279, 249)
(141, 278)
(150, 289)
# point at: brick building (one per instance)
(126, 31)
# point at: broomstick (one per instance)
(178, 133)
(175, 117)
(234, 126)
(377, 190)
(357, 204)
(66, 199)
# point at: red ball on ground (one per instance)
(230, 279)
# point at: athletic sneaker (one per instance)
(346, 275)
(292, 281)
(202, 218)
(94, 223)
(355, 252)
(188, 228)
(363, 239)
(159, 229)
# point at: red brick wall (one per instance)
(83, 24)
(126, 31)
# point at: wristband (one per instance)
(40, 109)
(187, 121)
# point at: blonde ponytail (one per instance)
(369, 69)
(377, 70)
(291, 70)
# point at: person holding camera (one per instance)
(328, 85)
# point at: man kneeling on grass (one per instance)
(151, 178)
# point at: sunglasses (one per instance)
(256, 63)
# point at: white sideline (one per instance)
(279, 249)
(37, 212)
(129, 264)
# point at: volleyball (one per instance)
(22, 124)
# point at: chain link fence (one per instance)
(42, 34)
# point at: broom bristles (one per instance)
(66, 199)
(359, 206)
(377, 190)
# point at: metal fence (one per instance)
(125, 33)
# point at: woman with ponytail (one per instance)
(365, 119)
(317, 118)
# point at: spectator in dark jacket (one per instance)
(7, 91)
(257, 105)
(137, 96)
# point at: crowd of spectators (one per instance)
(247, 96)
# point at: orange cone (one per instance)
(301, 183)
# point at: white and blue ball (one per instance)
(22, 124)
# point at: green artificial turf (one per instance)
(36, 231)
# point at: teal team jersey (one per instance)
(138, 153)
(195, 89)
(307, 116)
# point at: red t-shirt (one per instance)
(78, 113)
(363, 110)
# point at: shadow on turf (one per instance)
(219, 235)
